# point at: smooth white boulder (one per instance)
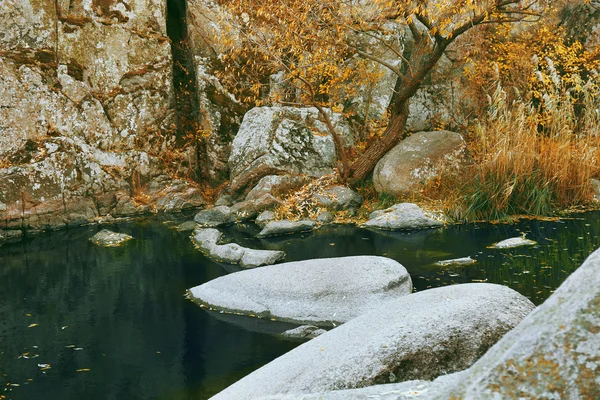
(420, 336)
(323, 292)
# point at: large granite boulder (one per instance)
(554, 353)
(403, 216)
(420, 336)
(412, 163)
(280, 140)
(323, 292)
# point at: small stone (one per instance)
(108, 238)
(403, 216)
(325, 217)
(339, 198)
(513, 242)
(285, 227)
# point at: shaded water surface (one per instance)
(80, 321)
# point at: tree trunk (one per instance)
(363, 166)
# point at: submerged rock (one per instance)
(304, 332)
(187, 226)
(456, 261)
(285, 227)
(513, 242)
(420, 336)
(232, 253)
(403, 216)
(323, 292)
(108, 238)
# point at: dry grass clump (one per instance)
(301, 203)
(530, 159)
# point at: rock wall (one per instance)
(219, 111)
(85, 108)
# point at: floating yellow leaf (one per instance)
(83, 370)
(32, 325)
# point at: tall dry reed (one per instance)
(529, 159)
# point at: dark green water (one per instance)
(118, 315)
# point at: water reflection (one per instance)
(120, 312)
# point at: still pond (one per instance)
(79, 321)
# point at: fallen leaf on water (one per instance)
(332, 244)
(70, 346)
(64, 327)
(29, 315)
(32, 325)
(83, 370)
(78, 348)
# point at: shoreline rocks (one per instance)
(207, 241)
(321, 292)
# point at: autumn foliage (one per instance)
(323, 51)
(529, 90)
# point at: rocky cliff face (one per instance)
(85, 108)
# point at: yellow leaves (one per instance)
(32, 325)
(83, 370)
